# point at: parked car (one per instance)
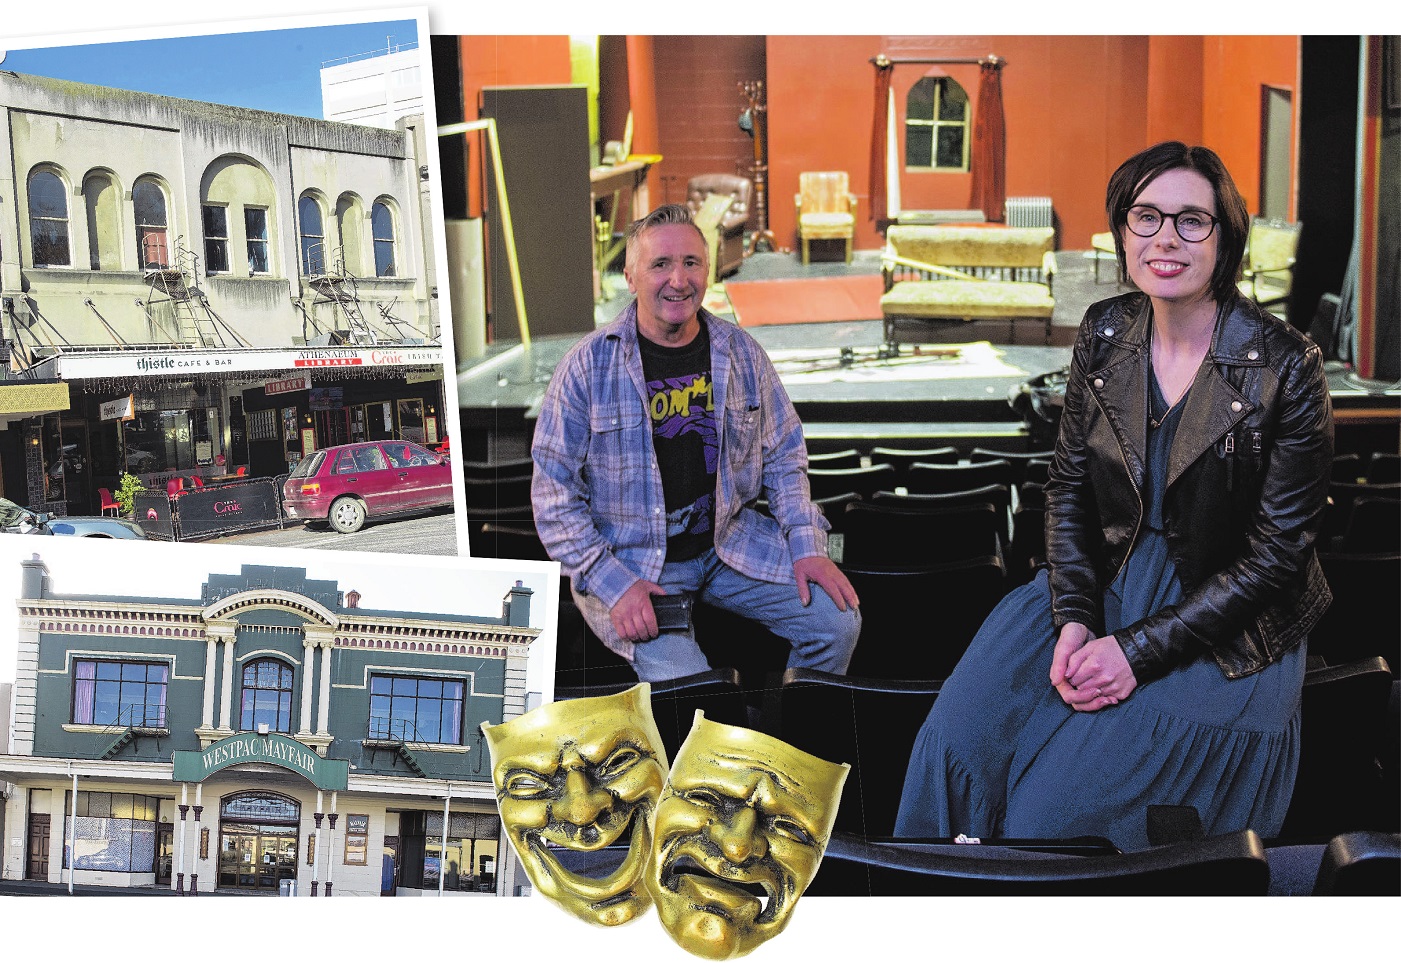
(17, 518)
(346, 484)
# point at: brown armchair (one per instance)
(826, 209)
(729, 245)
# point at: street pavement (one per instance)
(433, 534)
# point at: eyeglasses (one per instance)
(1192, 226)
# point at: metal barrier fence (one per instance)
(210, 511)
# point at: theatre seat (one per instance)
(1229, 865)
(868, 723)
(826, 482)
(1340, 780)
(674, 702)
(1360, 864)
(882, 535)
(916, 623)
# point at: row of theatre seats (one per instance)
(932, 542)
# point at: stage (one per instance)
(869, 400)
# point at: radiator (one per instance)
(1028, 212)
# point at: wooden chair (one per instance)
(826, 209)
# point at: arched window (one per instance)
(100, 197)
(238, 208)
(313, 234)
(48, 219)
(936, 125)
(382, 228)
(350, 218)
(267, 696)
(152, 228)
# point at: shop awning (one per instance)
(29, 399)
(198, 363)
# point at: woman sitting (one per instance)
(1160, 659)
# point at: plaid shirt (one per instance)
(597, 490)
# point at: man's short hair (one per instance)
(662, 216)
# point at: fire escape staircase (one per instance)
(340, 289)
(196, 322)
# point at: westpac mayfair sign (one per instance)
(272, 749)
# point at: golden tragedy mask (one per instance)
(740, 831)
(577, 782)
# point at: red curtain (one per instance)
(989, 144)
(879, 137)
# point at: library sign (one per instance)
(272, 749)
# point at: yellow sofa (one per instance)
(951, 273)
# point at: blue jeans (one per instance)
(822, 635)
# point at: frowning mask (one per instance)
(740, 831)
(575, 778)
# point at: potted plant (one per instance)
(126, 493)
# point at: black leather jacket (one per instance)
(1247, 483)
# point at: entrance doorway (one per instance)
(257, 841)
(1276, 127)
(37, 865)
(165, 853)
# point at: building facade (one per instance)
(218, 287)
(272, 736)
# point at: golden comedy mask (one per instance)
(740, 831)
(576, 781)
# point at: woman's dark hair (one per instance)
(1233, 220)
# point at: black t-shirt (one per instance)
(682, 407)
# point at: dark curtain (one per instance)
(989, 144)
(879, 137)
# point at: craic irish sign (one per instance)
(272, 749)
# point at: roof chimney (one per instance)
(352, 599)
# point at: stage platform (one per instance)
(936, 397)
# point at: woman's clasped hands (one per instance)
(1090, 673)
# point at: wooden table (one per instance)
(610, 181)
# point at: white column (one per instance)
(226, 709)
(308, 666)
(178, 880)
(323, 713)
(211, 646)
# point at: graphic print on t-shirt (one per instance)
(683, 420)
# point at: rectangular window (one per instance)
(416, 710)
(216, 239)
(119, 693)
(255, 226)
(357, 839)
(468, 862)
(114, 831)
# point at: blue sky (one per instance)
(276, 70)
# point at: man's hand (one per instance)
(823, 571)
(633, 617)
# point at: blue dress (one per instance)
(1001, 755)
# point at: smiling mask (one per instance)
(740, 831)
(576, 778)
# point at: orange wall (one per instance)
(1234, 71)
(506, 61)
(1075, 107)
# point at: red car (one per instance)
(348, 483)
